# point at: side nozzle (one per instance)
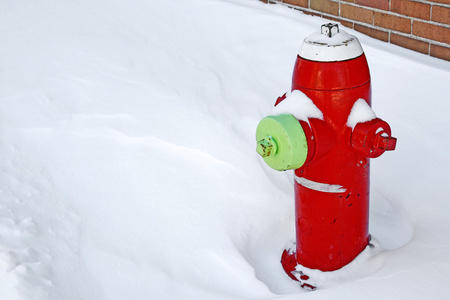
(373, 138)
(281, 141)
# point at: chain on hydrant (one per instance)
(326, 131)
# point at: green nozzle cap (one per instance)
(281, 142)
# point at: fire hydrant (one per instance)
(326, 130)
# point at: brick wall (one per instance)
(420, 25)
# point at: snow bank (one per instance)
(365, 264)
(128, 166)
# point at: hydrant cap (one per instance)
(286, 139)
(330, 44)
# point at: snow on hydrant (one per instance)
(326, 131)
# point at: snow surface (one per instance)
(128, 163)
(361, 112)
(299, 105)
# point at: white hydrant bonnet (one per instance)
(330, 44)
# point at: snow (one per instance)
(361, 112)
(366, 263)
(299, 105)
(128, 166)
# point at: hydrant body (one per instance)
(332, 189)
(332, 185)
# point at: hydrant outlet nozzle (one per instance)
(267, 147)
(281, 142)
(372, 138)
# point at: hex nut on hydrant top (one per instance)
(329, 151)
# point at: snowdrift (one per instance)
(128, 163)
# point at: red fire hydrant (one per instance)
(326, 130)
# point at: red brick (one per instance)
(431, 31)
(301, 3)
(372, 32)
(411, 9)
(380, 4)
(441, 1)
(325, 6)
(440, 14)
(440, 52)
(409, 43)
(392, 22)
(357, 13)
(312, 14)
(344, 23)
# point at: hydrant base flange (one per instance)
(289, 263)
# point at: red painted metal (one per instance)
(372, 138)
(332, 187)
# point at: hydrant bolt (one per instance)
(385, 142)
(329, 29)
(266, 147)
